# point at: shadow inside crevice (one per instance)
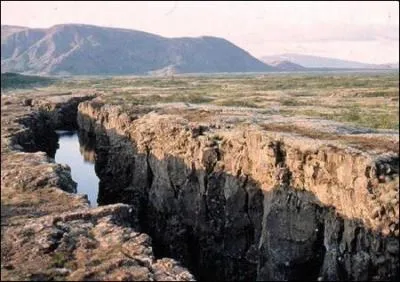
(43, 121)
(282, 234)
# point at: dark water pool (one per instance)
(80, 158)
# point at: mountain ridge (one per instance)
(311, 61)
(89, 49)
(84, 49)
(286, 65)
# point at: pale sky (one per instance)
(360, 31)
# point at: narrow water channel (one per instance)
(81, 161)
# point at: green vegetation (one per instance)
(362, 142)
(292, 102)
(59, 259)
(236, 103)
(15, 81)
(195, 98)
(367, 118)
(361, 99)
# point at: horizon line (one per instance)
(200, 36)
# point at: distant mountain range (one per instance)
(77, 49)
(308, 61)
(285, 65)
(85, 49)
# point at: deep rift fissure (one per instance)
(234, 204)
(240, 204)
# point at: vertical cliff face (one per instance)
(245, 203)
(47, 231)
(47, 115)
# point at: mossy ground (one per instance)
(361, 99)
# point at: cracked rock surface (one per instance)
(249, 200)
(47, 231)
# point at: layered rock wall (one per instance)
(47, 231)
(244, 203)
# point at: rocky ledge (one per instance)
(47, 231)
(232, 195)
(235, 196)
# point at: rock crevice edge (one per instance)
(245, 203)
(47, 231)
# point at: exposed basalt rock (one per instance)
(31, 171)
(49, 233)
(92, 244)
(245, 203)
(46, 116)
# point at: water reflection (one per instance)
(87, 146)
(64, 133)
(77, 150)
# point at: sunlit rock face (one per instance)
(47, 231)
(243, 203)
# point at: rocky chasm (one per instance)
(244, 203)
(228, 201)
(47, 231)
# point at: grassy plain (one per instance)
(361, 99)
